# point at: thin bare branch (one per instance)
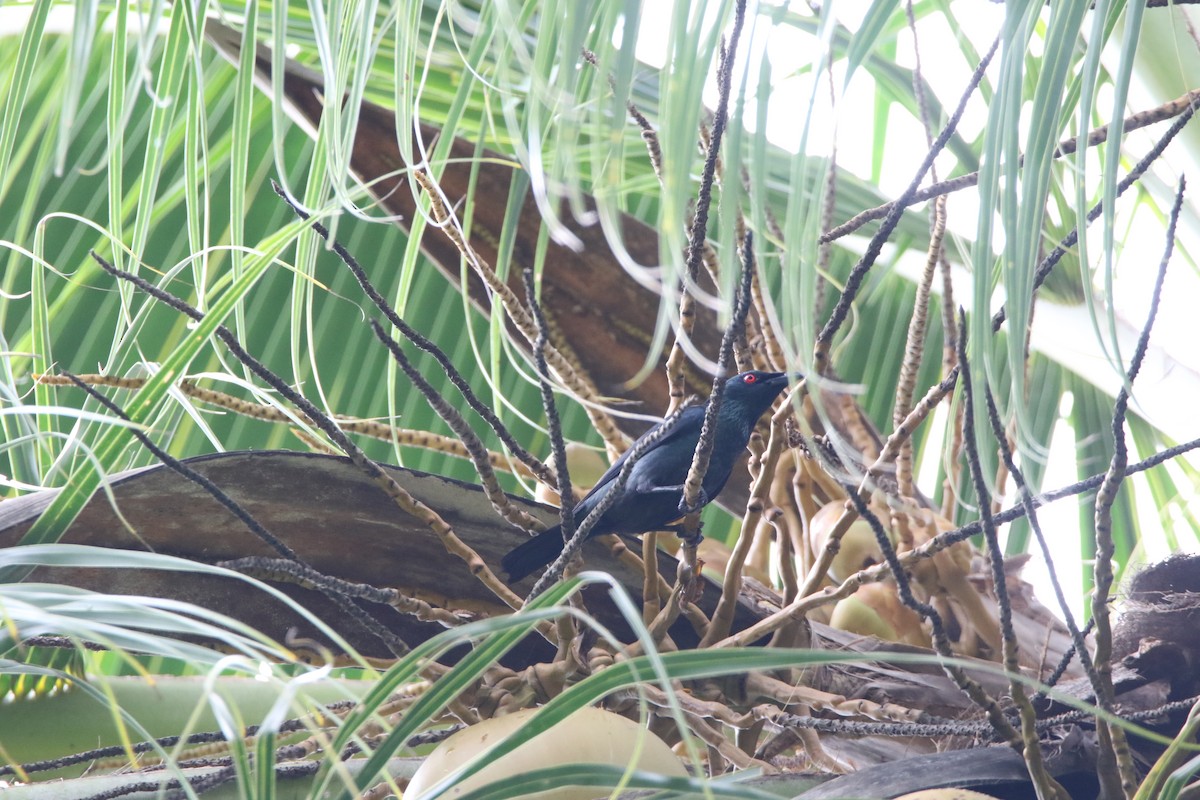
(1028, 745)
(1179, 105)
(807, 602)
(859, 273)
(401, 497)
(566, 496)
(1114, 749)
(534, 464)
(698, 234)
(576, 381)
(479, 457)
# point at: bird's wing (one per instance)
(689, 419)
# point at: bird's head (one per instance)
(755, 390)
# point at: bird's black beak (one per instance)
(786, 379)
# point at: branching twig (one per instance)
(1067, 657)
(1078, 644)
(695, 477)
(1114, 749)
(807, 602)
(855, 279)
(360, 615)
(553, 423)
(575, 380)
(1028, 746)
(698, 234)
(401, 497)
(407, 437)
(293, 725)
(649, 135)
(1048, 263)
(947, 727)
(902, 433)
(1180, 105)
(301, 574)
(773, 350)
(743, 357)
(915, 345)
(449, 414)
(731, 586)
(950, 335)
(528, 459)
(941, 641)
(935, 254)
(1079, 487)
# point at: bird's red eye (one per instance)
(751, 378)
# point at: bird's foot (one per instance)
(701, 502)
(687, 533)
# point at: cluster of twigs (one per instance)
(793, 474)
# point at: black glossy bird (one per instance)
(654, 490)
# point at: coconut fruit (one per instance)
(854, 616)
(589, 736)
(945, 794)
(876, 610)
(857, 549)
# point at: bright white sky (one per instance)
(1169, 382)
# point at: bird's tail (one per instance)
(533, 554)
